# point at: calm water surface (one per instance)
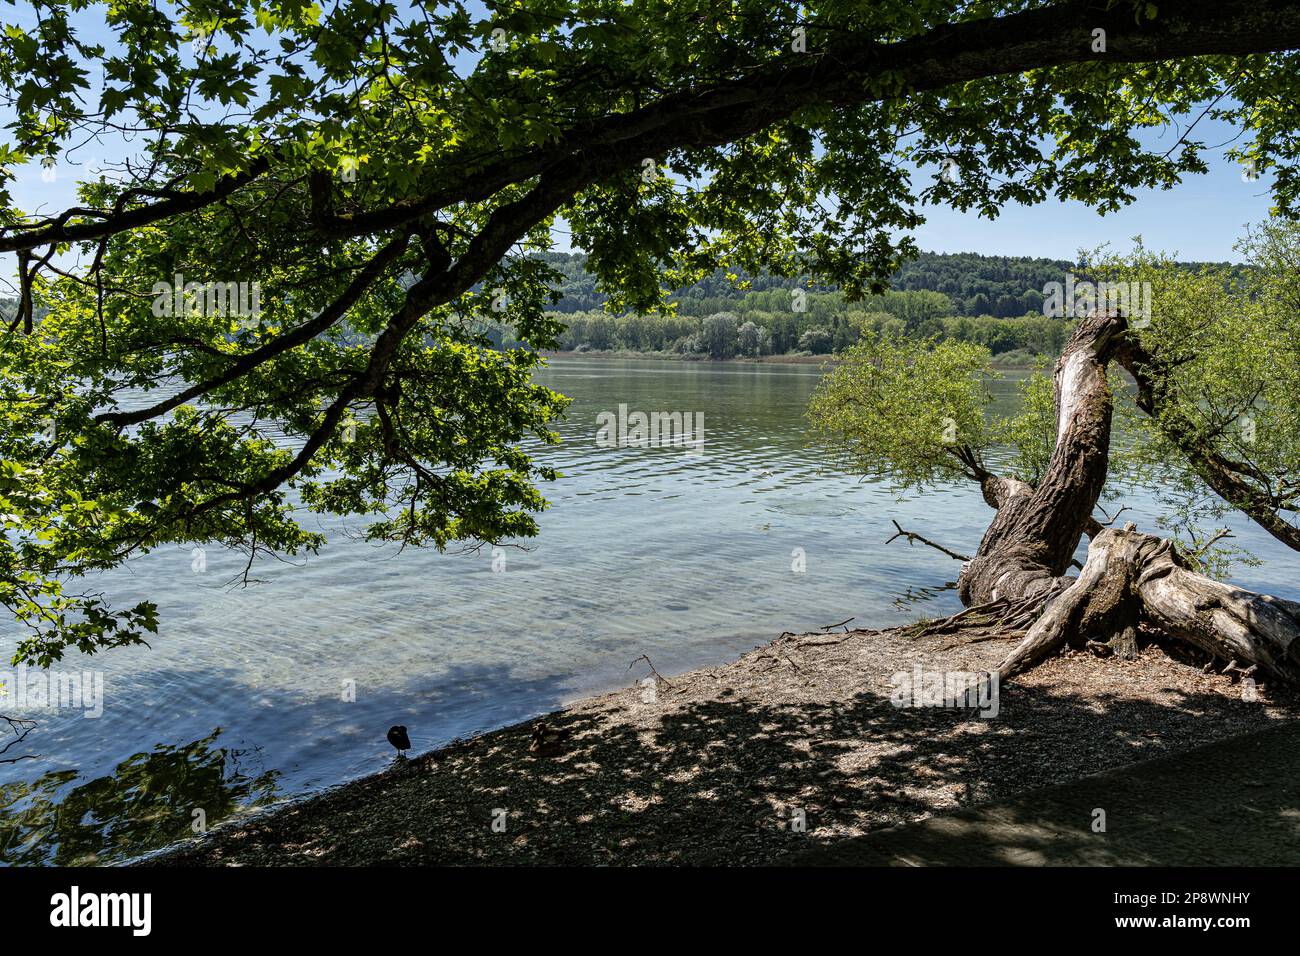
(685, 558)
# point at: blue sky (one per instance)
(1199, 219)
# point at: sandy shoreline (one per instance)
(717, 767)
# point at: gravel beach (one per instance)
(797, 744)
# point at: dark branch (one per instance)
(912, 537)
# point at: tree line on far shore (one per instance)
(995, 302)
(757, 333)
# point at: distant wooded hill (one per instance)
(999, 286)
(992, 301)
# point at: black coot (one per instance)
(397, 737)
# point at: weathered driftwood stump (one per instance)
(1130, 580)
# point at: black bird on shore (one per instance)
(397, 737)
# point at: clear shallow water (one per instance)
(685, 558)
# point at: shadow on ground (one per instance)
(1232, 803)
(733, 778)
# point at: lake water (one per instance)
(243, 698)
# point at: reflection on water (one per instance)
(919, 595)
(689, 559)
(150, 799)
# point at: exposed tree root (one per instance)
(1231, 623)
(1133, 579)
(995, 617)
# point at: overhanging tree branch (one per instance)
(61, 228)
(299, 335)
(1217, 470)
(852, 69)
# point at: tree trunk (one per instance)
(1130, 579)
(1036, 531)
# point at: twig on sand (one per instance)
(827, 627)
(912, 537)
(658, 676)
(830, 643)
(768, 655)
